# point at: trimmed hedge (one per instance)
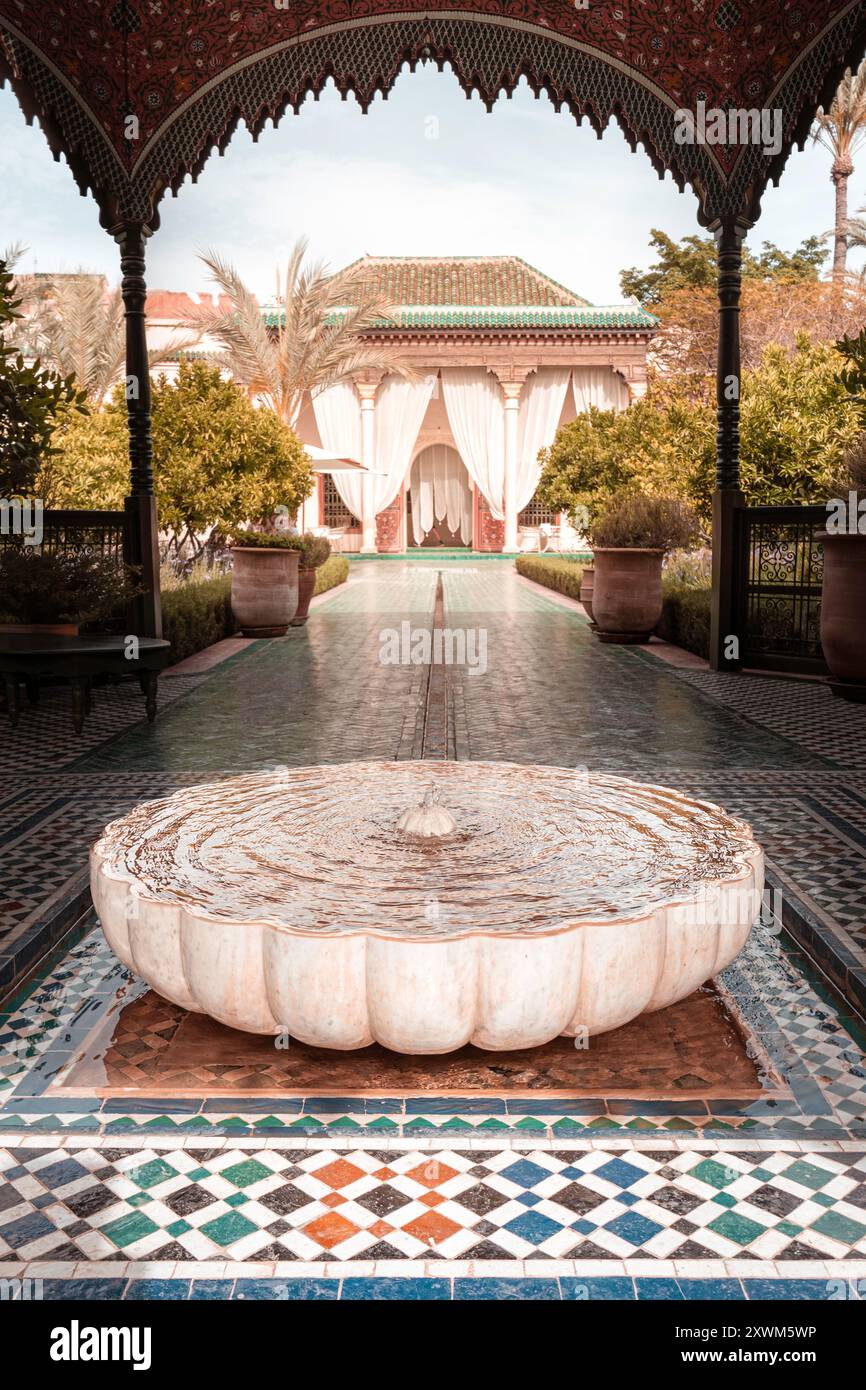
(553, 572)
(334, 571)
(197, 614)
(685, 619)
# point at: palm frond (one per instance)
(842, 127)
(317, 339)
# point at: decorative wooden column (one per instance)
(142, 532)
(727, 496)
(367, 388)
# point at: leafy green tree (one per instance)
(663, 445)
(795, 427)
(31, 400)
(688, 264)
(217, 459)
(692, 263)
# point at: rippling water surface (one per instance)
(317, 849)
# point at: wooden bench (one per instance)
(30, 658)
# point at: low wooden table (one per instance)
(29, 657)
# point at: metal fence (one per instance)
(65, 531)
(780, 563)
(70, 532)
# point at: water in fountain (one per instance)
(532, 849)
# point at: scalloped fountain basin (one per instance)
(553, 903)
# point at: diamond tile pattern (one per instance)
(349, 1205)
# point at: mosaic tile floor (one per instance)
(435, 1196)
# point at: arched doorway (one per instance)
(438, 499)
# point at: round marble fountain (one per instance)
(426, 905)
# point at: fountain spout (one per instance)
(429, 820)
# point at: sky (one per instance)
(427, 172)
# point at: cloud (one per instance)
(426, 172)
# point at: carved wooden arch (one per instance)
(490, 48)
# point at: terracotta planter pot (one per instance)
(627, 595)
(264, 589)
(587, 584)
(843, 608)
(306, 589)
(40, 629)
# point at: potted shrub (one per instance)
(843, 595)
(58, 592)
(265, 581)
(314, 552)
(629, 541)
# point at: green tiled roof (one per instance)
(519, 316)
(427, 318)
(478, 292)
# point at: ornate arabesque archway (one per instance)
(137, 95)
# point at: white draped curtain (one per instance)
(599, 386)
(473, 401)
(440, 492)
(540, 408)
(400, 409)
(338, 418)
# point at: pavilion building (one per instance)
(502, 356)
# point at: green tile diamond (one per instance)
(713, 1173)
(246, 1173)
(126, 1229)
(839, 1227)
(807, 1175)
(151, 1174)
(736, 1228)
(228, 1228)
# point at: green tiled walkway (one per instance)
(554, 694)
(551, 692)
(319, 695)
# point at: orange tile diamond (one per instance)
(432, 1173)
(432, 1228)
(330, 1230)
(339, 1174)
(380, 1228)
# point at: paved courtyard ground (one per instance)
(221, 1188)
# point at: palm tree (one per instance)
(315, 342)
(83, 333)
(842, 130)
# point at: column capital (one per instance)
(635, 376)
(367, 385)
(512, 380)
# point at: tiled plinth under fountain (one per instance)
(151, 1047)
